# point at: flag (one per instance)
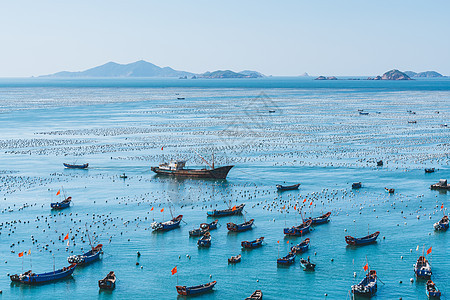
(234, 208)
(29, 252)
(287, 242)
(284, 207)
(295, 207)
(366, 267)
(174, 270)
(429, 250)
(304, 200)
(310, 203)
(59, 192)
(442, 206)
(278, 242)
(21, 254)
(162, 209)
(162, 148)
(151, 209)
(66, 237)
(417, 249)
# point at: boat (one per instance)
(287, 260)
(379, 163)
(363, 113)
(302, 247)
(307, 264)
(390, 191)
(356, 185)
(88, 257)
(368, 239)
(442, 225)
(321, 220)
(204, 227)
(33, 278)
(441, 185)
(168, 225)
(194, 290)
(368, 286)
(298, 230)
(74, 166)
(252, 244)
(429, 170)
(109, 282)
(177, 168)
(234, 259)
(287, 187)
(61, 205)
(257, 295)
(422, 267)
(205, 240)
(235, 210)
(123, 176)
(240, 227)
(432, 290)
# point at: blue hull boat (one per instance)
(288, 187)
(168, 225)
(61, 205)
(236, 210)
(300, 248)
(88, 257)
(442, 225)
(368, 286)
(371, 238)
(287, 260)
(298, 230)
(204, 227)
(322, 219)
(240, 227)
(70, 166)
(195, 290)
(205, 240)
(253, 244)
(422, 268)
(32, 278)
(432, 290)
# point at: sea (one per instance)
(274, 130)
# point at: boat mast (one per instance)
(87, 233)
(212, 166)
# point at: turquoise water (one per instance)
(315, 136)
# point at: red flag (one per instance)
(21, 254)
(284, 207)
(304, 200)
(310, 203)
(366, 267)
(442, 206)
(59, 192)
(162, 209)
(429, 250)
(295, 207)
(174, 270)
(162, 148)
(66, 237)
(151, 209)
(234, 208)
(287, 242)
(278, 242)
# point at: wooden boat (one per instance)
(168, 225)
(240, 227)
(287, 187)
(432, 290)
(429, 170)
(86, 258)
(422, 268)
(234, 259)
(299, 230)
(379, 163)
(123, 176)
(109, 282)
(363, 113)
(226, 212)
(442, 225)
(32, 278)
(194, 290)
(61, 205)
(368, 286)
(16, 277)
(300, 248)
(252, 244)
(204, 227)
(73, 166)
(287, 260)
(176, 168)
(441, 185)
(368, 239)
(205, 240)
(356, 185)
(307, 264)
(390, 191)
(257, 295)
(322, 219)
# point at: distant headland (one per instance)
(393, 75)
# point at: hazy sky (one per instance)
(285, 37)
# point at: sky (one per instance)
(280, 38)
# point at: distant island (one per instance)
(326, 78)
(426, 74)
(392, 75)
(145, 69)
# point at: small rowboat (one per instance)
(63, 204)
(86, 258)
(168, 225)
(204, 227)
(390, 191)
(234, 259)
(307, 264)
(298, 230)
(32, 278)
(363, 113)
(371, 238)
(300, 248)
(429, 170)
(379, 163)
(257, 295)
(287, 187)
(236, 210)
(368, 286)
(240, 227)
(205, 240)
(432, 290)
(356, 185)
(70, 166)
(109, 282)
(322, 219)
(253, 244)
(287, 260)
(442, 225)
(422, 267)
(194, 290)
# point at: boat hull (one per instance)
(226, 212)
(216, 173)
(195, 290)
(362, 241)
(298, 230)
(69, 166)
(48, 277)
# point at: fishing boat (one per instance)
(205, 240)
(322, 219)
(109, 282)
(235, 210)
(123, 176)
(300, 248)
(307, 264)
(234, 259)
(240, 227)
(390, 191)
(442, 225)
(86, 258)
(194, 290)
(253, 244)
(363, 113)
(368, 239)
(168, 225)
(298, 230)
(74, 166)
(16, 277)
(61, 205)
(356, 185)
(257, 295)
(441, 185)
(287, 187)
(33, 278)
(287, 260)
(432, 290)
(368, 286)
(379, 163)
(429, 170)
(422, 267)
(204, 227)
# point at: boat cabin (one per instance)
(173, 165)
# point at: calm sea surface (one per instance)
(315, 137)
